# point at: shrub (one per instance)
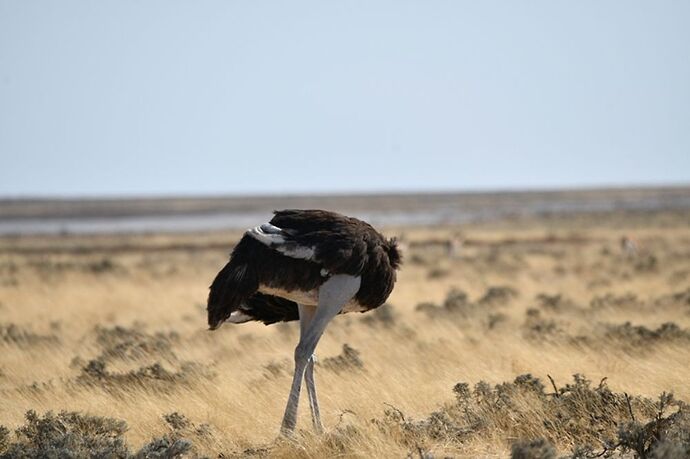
(69, 435)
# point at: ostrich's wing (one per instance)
(282, 241)
(335, 242)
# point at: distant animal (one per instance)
(306, 265)
(454, 246)
(630, 246)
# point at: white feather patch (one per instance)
(238, 317)
(271, 229)
(274, 237)
(296, 251)
(265, 237)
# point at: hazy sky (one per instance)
(158, 97)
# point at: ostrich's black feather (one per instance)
(341, 245)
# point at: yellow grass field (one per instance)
(115, 326)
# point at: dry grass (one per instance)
(114, 327)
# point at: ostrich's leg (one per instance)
(306, 313)
(311, 391)
(333, 295)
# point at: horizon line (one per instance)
(336, 193)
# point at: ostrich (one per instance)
(306, 265)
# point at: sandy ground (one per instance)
(115, 326)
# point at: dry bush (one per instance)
(416, 259)
(589, 420)
(153, 377)
(646, 264)
(384, 316)
(181, 439)
(633, 339)
(348, 360)
(457, 306)
(76, 435)
(164, 448)
(663, 436)
(538, 328)
(275, 369)
(680, 299)
(497, 296)
(23, 338)
(438, 273)
(456, 303)
(639, 337)
(498, 260)
(101, 266)
(556, 303)
(68, 435)
(679, 276)
(533, 449)
(121, 343)
(4, 439)
(612, 301)
(132, 345)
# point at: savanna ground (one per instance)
(539, 337)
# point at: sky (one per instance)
(125, 97)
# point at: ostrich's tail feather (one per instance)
(394, 254)
(233, 285)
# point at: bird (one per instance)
(306, 265)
